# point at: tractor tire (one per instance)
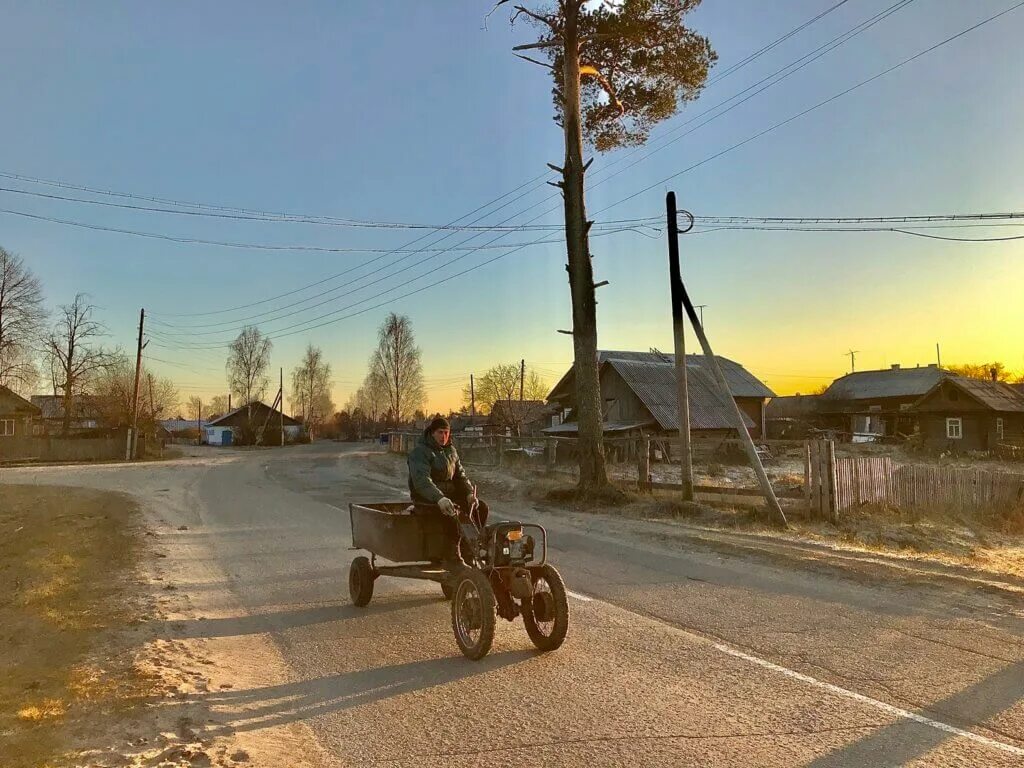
(546, 616)
(360, 581)
(473, 614)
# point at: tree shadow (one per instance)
(277, 621)
(255, 708)
(905, 740)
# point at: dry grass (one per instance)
(66, 556)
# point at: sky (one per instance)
(401, 111)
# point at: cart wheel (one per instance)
(473, 617)
(448, 588)
(546, 617)
(360, 581)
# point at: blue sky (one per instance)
(412, 111)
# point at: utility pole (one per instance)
(199, 420)
(522, 378)
(700, 308)
(472, 397)
(853, 359)
(229, 402)
(682, 390)
(152, 407)
(135, 393)
(732, 408)
(280, 395)
(938, 355)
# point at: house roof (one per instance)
(741, 382)
(655, 384)
(997, 396)
(11, 402)
(503, 411)
(572, 427)
(227, 418)
(891, 382)
(52, 406)
(181, 425)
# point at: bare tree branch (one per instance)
(520, 10)
(534, 61)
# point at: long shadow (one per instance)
(255, 708)
(281, 620)
(905, 740)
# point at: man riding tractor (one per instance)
(438, 485)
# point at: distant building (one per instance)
(85, 416)
(521, 417)
(867, 405)
(16, 414)
(792, 417)
(254, 422)
(638, 391)
(962, 414)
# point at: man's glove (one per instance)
(446, 506)
(472, 499)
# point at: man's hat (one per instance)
(438, 422)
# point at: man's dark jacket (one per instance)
(435, 471)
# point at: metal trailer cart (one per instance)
(506, 572)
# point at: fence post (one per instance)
(807, 474)
(832, 497)
(552, 451)
(501, 450)
(644, 464)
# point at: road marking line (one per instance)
(899, 712)
(906, 714)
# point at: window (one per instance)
(999, 428)
(6, 427)
(954, 428)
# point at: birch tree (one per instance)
(311, 390)
(73, 353)
(22, 319)
(247, 365)
(397, 367)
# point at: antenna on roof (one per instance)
(853, 359)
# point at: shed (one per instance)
(963, 414)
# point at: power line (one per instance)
(820, 104)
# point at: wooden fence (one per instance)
(835, 485)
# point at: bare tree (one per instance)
(194, 408)
(113, 392)
(22, 318)
(311, 390)
(501, 383)
(618, 69)
(396, 364)
(218, 406)
(248, 362)
(73, 354)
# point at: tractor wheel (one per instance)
(473, 617)
(546, 615)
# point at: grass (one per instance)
(66, 557)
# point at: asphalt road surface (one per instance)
(674, 657)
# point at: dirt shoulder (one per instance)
(103, 670)
(985, 551)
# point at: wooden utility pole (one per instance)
(280, 395)
(853, 359)
(732, 408)
(152, 407)
(682, 390)
(938, 355)
(522, 378)
(199, 420)
(135, 392)
(472, 397)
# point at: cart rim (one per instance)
(542, 589)
(469, 613)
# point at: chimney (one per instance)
(994, 373)
(895, 367)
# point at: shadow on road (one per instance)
(255, 708)
(283, 620)
(905, 740)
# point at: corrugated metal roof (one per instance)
(655, 384)
(12, 402)
(999, 397)
(572, 427)
(892, 382)
(741, 382)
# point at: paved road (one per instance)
(674, 657)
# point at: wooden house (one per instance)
(638, 390)
(961, 414)
(16, 414)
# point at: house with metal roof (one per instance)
(867, 405)
(638, 390)
(85, 414)
(252, 424)
(962, 414)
